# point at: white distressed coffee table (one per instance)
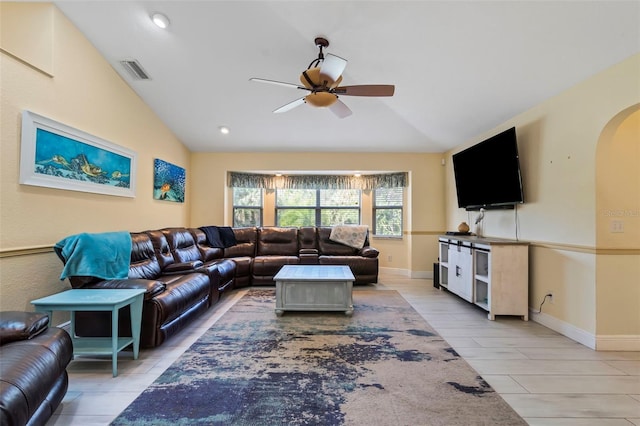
(314, 288)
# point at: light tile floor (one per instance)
(547, 378)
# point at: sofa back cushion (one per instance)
(331, 248)
(245, 243)
(161, 247)
(182, 245)
(144, 263)
(278, 241)
(307, 238)
(207, 252)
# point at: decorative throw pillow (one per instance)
(349, 235)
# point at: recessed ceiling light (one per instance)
(160, 20)
(224, 130)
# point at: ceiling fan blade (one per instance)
(279, 83)
(332, 67)
(340, 109)
(289, 106)
(366, 90)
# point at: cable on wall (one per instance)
(517, 222)
(543, 300)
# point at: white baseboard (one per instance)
(395, 271)
(597, 342)
(564, 328)
(427, 275)
(623, 342)
(407, 273)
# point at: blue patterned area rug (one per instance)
(382, 366)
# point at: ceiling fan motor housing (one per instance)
(319, 85)
(318, 82)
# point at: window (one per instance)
(317, 207)
(387, 212)
(247, 207)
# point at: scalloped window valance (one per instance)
(365, 182)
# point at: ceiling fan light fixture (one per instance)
(160, 20)
(314, 79)
(321, 99)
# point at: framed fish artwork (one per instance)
(169, 181)
(55, 155)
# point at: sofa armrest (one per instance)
(19, 325)
(368, 251)
(182, 267)
(152, 287)
(308, 252)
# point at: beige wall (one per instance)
(618, 203)
(83, 91)
(424, 213)
(558, 142)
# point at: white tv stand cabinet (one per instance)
(492, 273)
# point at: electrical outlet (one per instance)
(550, 296)
(389, 258)
(616, 226)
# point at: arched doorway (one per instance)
(618, 233)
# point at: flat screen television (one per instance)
(488, 175)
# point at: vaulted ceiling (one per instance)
(460, 68)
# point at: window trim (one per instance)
(319, 208)
(260, 208)
(375, 207)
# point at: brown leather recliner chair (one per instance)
(33, 362)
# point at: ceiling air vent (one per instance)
(135, 69)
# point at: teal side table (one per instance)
(98, 300)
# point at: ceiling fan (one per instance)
(322, 79)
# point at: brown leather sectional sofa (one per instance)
(183, 275)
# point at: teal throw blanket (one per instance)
(105, 255)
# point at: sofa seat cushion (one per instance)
(268, 266)
(20, 325)
(359, 265)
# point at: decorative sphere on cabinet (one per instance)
(463, 227)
